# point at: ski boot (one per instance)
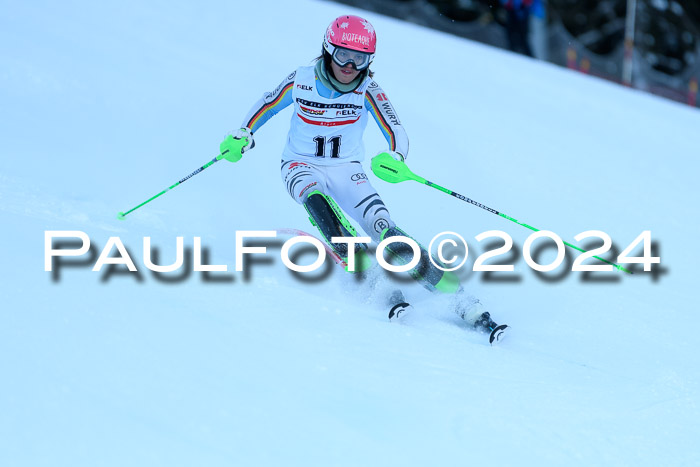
(484, 323)
(474, 314)
(425, 272)
(330, 221)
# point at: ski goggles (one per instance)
(359, 60)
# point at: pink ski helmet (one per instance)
(351, 39)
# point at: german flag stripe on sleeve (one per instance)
(383, 125)
(265, 108)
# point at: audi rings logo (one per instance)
(358, 177)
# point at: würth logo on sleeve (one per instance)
(388, 111)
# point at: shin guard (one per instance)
(330, 221)
(425, 272)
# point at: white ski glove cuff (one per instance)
(245, 133)
(396, 155)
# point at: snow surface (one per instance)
(103, 104)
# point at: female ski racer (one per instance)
(321, 162)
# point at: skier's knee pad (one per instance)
(376, 224)
(373, 216)
(425, 271)
(325, 214)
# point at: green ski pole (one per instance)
(122, 214)
(390, 170)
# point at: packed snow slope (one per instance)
(104, 104)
